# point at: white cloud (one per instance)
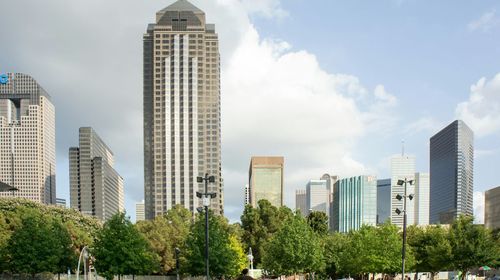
(266, 8)
(478, 203)
(481, 111)
(424, 124)
(485, 23)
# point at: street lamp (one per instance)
(206, 202)
(398, 211)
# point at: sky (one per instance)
(333, 86)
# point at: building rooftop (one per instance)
(182, 5)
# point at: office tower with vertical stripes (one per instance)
(27, 139)
(181, 103)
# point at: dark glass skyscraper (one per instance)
(452, 170)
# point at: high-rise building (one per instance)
(422, 189)
(301, 202)
(383, 200)
(96, 189)
(402, 166)
(139, 211)
(61, 202)
(330, 181)
(451, 172)
(27, 139)
(266, 180)
(181, 110)
(492, 208)
(318, 196)
(355, 203)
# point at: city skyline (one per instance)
(376, 98)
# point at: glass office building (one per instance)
(355, 203)
(383, 200)
(266, 180)
(452, 173)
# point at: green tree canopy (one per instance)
(431, 248)
(471, 245)
(121, 250)
(295, 248)
(40, 244)
(226, 257)
(318, 221)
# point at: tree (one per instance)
(121, 250)
(471, 245)
(259, 224)
(431, 248)
(226, 255)
(40, 244)
(295, 248)
(318, 221)
(165, 233)
(336, 247)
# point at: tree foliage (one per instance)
(41, 244)
(295, 248)
(226, 257)
(259, 224)
(121, 250)
(471, 245)
(318, 221)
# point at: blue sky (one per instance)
(334, 86)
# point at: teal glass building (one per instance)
(355, 203)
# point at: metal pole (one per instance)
(404, 234)
(206, 227)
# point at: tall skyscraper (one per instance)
(96, 189)
(355, 203)
(139, 212)
(492, 208)
(330, 181)
(266, 180)
(318, 196)
(181, 109)
(422, 189)
(301, 202)
(402, 166)
(452, 173)
(383, 200)
(27, 139)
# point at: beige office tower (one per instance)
(492, 208)
(266, 180)
(27, 139)
(181, 110)
(96, 189)
(301, 202)
(139, 212)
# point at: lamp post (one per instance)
(398, 211)
(206, 202)
(250, 258)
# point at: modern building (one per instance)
(383, 200)
(330, 181)
(451, 173)
(402, 166)
(266, 180)
(96, 189)
(492, 208)
(301, 202)
(181, 101)
(139, 211)
(318, 196)
(422, 194)
(27, 139)
(247, 194)
(61, 202)
(355, 203)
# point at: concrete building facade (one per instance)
(301, 202)
(402, 166)
(492, 208)
(139, 212)
(27, 139)
(96, 189)
(451, 173)
(318, 197)
(181, 104)
(265, 178)
(355, 203)
(422, 196)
